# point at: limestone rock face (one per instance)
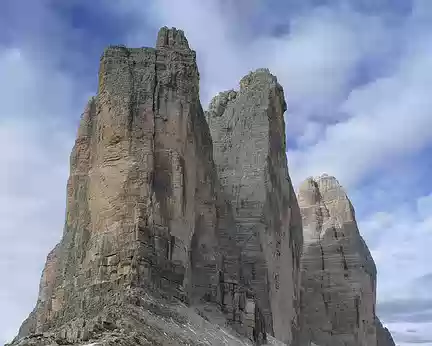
(153, 243)
(338, 272)
(248, 133)
(141, 197)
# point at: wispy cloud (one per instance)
(400, 244)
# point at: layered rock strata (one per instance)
(338, 272)
(248, 133)
(155, 250)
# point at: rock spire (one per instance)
(337, 270)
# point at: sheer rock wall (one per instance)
(248, 132)
(338, 272)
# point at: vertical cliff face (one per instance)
(141, 198)
(151, 192)
(338, 272)
(248, 134)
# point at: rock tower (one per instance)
(337, 270)
(160, 246)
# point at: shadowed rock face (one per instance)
(248, 132)
(338, 272)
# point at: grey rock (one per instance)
(338, 272)
(248, 133)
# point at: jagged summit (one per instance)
(323, 183)
(309, 192)
(219, 102)
(328, 190)
(171, 38)
(259, 82)
(259, 76)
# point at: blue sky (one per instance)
(357, 76)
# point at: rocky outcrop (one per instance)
(155, 249)
(248, 133)
(338, 272)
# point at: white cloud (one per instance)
(400, 240)
(35, 149)
(318, 60)
(412, 333)
(424, 206)
(25, 83)
(400, 243)
(389, 118)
